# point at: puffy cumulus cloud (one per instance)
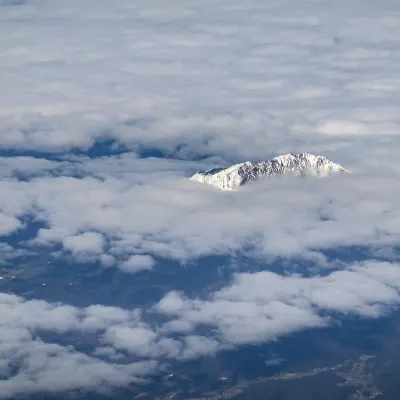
(121, 348)
(240, 81)
(264, 306)
(144, 342)
(85, 245)
(8, 224)
(243, 322)
(199, 346)
(137, 263)
(98, 317)
(127, 346)
(45, 367)
(30, 364)
(39, 315)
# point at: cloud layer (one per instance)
(181, 87)
(243, 82)
(120, 209)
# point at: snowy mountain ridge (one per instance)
(300, 165)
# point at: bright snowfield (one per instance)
(300, 165)
(182, 86)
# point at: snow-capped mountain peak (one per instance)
(300, 165)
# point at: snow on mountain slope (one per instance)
(300, 165)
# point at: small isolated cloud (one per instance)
(107, 260)
(86, 246)
(273, 359)
(137, 263)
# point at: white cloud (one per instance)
(273, 360)
(88, 242)
(10, 254)
(52, 368)
(41, 366)
(199, 346)
(107, 260)
(137, 340)
(98, 317)
(25, 166)
(137, 263)
(344, 128)
(180, 88)
(254, 308)
(153, 212)
(263, 306)
(8, 224)
(232, 81)
(171, 303)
